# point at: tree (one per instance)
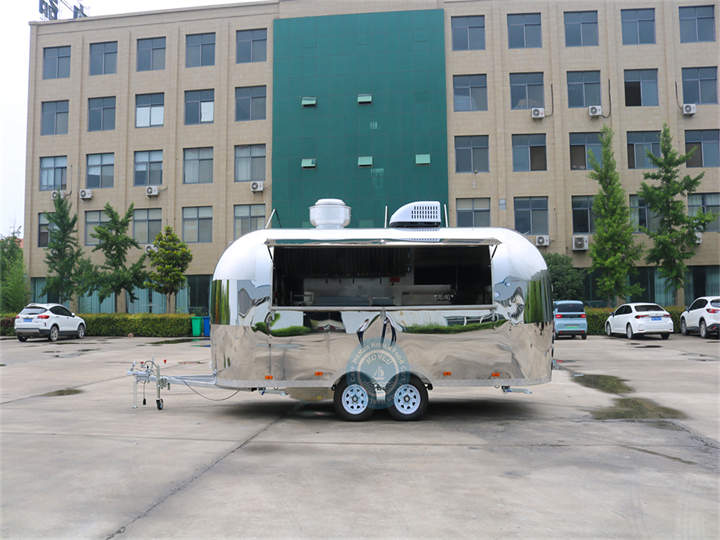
(567, 281)
(115, 275)
(14, 288)
(62, 254)
(613, 249)
(169, 261)
(674, 240)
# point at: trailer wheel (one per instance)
(159, 403)
(407, 401)
(354, 398)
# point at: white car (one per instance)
(703, 317)
(639, 318)
(48, 320)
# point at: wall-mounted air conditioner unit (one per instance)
(537, 113)
(698, 238)
(580, 242)
(152, 191)
(689, 109)
(595, 111)
(58, 193)
(86, 194)
(257, 186)
(542, 240)
(150, 248)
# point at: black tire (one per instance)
(358, 403)
(703, 329)
(412, 399)
(665, 336)
(608, 331)
(159, 404)
(584, 336)
(629, 332)
(22, 339)
(683, 327)
(54, 334)
(81, 331)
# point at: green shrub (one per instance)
(451, 329)
(138, 324)
(7, 324)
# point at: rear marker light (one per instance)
(712, 310)
(666, 315)
(640, 316)
(582, 316)
(319, 373)
(495, 374)
(558, 316)
(268, 377)
(447, 373)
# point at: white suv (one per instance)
(703, 317)
(48, 320)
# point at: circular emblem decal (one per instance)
(383, 364)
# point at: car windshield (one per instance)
(648, 307)
(715, 302)
(32, 310)
(570, 307)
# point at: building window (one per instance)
(470, 92)
(581, 144)
(581, 28)
(700, 85)
(638, 26)
(250, 103)
(93, 218)
(526, 90)
(151, 54)
(706, 143)
(251, 46)
(56, 62)
(473, 212)
(702, 281)
(248, 218)
(642, 216)
(148, 168)
(639, 143)
(468, 33)
(582, 214)
(197, 224)
(103, 58)
(708, 203)
(583, 88)
(149, 110)
(44, 228)
(100, 170)
(199, 106)
(697, 23)
(250, 162)
(200, 50)
(147, 224)
(531, 215)
(641, 88)
(101, 115)
(52, 172)
(524, 31)
(198, 166)
(471, 154)
(529, 152)
(54, 118)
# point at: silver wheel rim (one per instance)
(703, 329)
(628, 332)
(607, 329)
(355, 399)
(81, 331)
(683, 327)
(407, 399)
(53, 333)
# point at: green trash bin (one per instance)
(197, 324)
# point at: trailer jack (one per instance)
(148, 371)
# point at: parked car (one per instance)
(639, 318)
(703, 317)
(569, 319)
(48, 320)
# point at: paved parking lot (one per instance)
(482, 464)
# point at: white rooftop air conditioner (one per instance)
(417, 214)
(698, 238)
(150, 248)
(151, 191)
(86, 194)
(580, 242)
(257, 186)
(595, 111)
(542, 240)
(689, 109)
(537, 113)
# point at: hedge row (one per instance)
(596, 318)
(122, 324)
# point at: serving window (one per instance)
(399, 276)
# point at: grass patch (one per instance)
(454, 329)
(604, 383)
(63, 392)
(638, 408)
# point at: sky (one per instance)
(15, 42)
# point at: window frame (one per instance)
(475, 149)
(252, 45)
(200, 160)
(153, 45)
(153, 222)
(102, 166)
(526, 23)
(250, 220)
(60, 118)
(582, 213)
(531, 211)
(630, 23)
(460, 23)
(582, 26)
(474, 81)
(588, 89)
(518, 145)
(528, 83)
(686, 10)
(641, 215)
(644, 97)
(205, 50)
(148, 167)
(253, 160)
(654, 145)
(187, 219)
(155, 101)
(56, 56)
(104, 52)
(195, 102)
(44, 229)
(247, 93)
(56, 170)
(696, 79)
(101, 104)
(90, 226)
(591, 141)
(706, 138)
(706, 207)
(479, 211)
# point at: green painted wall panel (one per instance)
(399, 58)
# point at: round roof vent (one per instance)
(329, 214)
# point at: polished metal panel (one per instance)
(257, 345)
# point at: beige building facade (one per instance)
(200, 103)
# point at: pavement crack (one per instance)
(660, 454)
(197, 475)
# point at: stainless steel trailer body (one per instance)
(301, 309)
